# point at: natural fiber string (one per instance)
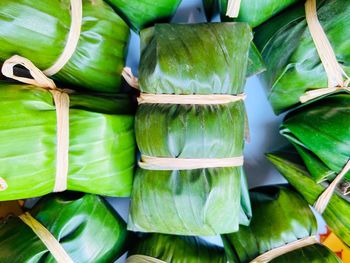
(61, 100)
(276, 252)
(47, 238)
(72, 39)
(130, 78)
(211, 99)
(233, 7)
(143, 259)
(334, 71)
(160, 163)
(323, 200)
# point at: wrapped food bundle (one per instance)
(52, 141)
(320, 132)
(79, 42)
(336, 213)
(282, 229)
(142, 13)
(307, 52)
(190, 130)
(175, 249)
(64, 228)
(250, 11)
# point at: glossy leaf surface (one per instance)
(178, 249)
(252, 12)
(321, 133)
(85, 225)
(101, 147)
(280, 216)
(38, 30)
(143, 13)
(191, 202)
(293, 64)
(293, 169)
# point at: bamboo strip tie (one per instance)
(279, 251)
(326, 196)
(196, 99)
(72, 39)
(143, 259)
(162, 163)
(336, 82)
(211, 99)
(51, 243)
(61, 100)
(233, 7)
(335, 73)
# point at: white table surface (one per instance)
(264, 135)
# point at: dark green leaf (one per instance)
(178, 249)
(85, 225)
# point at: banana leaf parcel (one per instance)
(251, 11)
(175, 249)
(143, 13)
(38, 30)
(101, 143)
(87, 228)
(320, 132)
(280, 217)
(293, 63)
(180, 60)
(292, 167)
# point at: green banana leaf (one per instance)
(190, 202)
(88, 229)
(174, 61)
(191, 59)
(143, 13)
(320, 132)
(256, 64)
(38, 30)
(281, 216)
(293, 169)
(252, 12)
(177, 249)
(293, 64)
(101, 147)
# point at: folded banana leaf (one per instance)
(251, 11)
(143, 13)
(177, 249)
(320, 132)
(38, 30)
(291, 166)
(293, 64)
(88, 229)
(281, 216)
(101, 146)
(174, 61)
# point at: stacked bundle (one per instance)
(283, 229)
(190, 130)
(64, 228)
